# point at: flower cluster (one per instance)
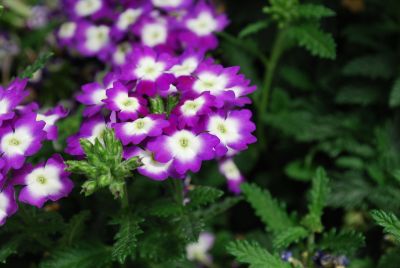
(110, 29)
(172, 112)
(23, 129)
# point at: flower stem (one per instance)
(277, 50)
(125, 198)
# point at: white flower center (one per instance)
(97, 37)
(230, 170)
(121, 52)
(16, 143)
(49, 120)
(187, 67)
(97, 133)
(191, 107)
(149, 69)
(152, 165)
(4, 203)
(203, 25)
(87, 7)
(184, 145)
(210, 82)
(44, 181)
(128, 17)
(99, 95)
(4, 106)
(237, 90)
(67, 30)
(167, 3)
(139, 126)
(225, 129)
(154, 34)
(126, 103)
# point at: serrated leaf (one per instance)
(394, 99)
(126, 238)
(372, 66)
(218, 208)
(312, 11)
(343, 242)
(318, 197)
(203, 195)
(317, 42)
(285, 238)
(357, 94)
(40, 62)
(253, 28)
(389, 222)
(253, 254)
(74, 228)
(9, 248)
(84, 255)
(271, 213)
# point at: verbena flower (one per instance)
(172, 112)
(109, 30)
(23, 129)
(198, 251)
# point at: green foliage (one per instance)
(253, 28)
(126, 238)
(84, 255)
(389, 222)
(394, 99)
(292, 235)
(9, 249)
(312, 11)
(253, 254)
(40, 62)
(343, 242)
(373, 66)
(318, 196)
(75, 228)
(390, 259)
(203, 195)
(272, 214)
(104, 165)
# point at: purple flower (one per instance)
(232, 174)
(38, 18)
(20, 139)
(46, 181)
(8, 206)
(136, 131)
(67, 32)
(150, 168)
(198, 251)
(50, 118)
(233, 130)
(94, 39)
(10, 97)
(171, 4)
(187, 149)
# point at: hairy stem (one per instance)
(125, 198)
(276, 52)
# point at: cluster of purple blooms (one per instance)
(208, 122)
(23, 129)
(110, 29)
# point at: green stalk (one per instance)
(276, 53)
(125, 198)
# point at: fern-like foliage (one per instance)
(84, 255)
(285, 238)
(271, 213)
(253, 254)
(343, 242)
(394, 99)
(75, 228)
(126, 238)
(40, 62)
(318, 197)
(389, 222)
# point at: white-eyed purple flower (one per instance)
(50, 118)
(8, 206)
(232, 174)
(187, 64)
(94, 39)
(67, 32)
(171, 4)
(198, 251)
(10, 97)
(136, 131)
(186, 148)
(151, 168)
(233, 130)
(128, 106)
(20, 139)
(46, 181)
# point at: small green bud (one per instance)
(172, 101)
(117, 189)
(157, 105)
(89, 187)
(104, 180)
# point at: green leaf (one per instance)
(343, 242)
(253, 28)
(357, 94)
(253, 254)
(203, 195)
(317, 42)
(291, 235)
(390, 259)
(271, 213)
(312, 11)
(318, 197)
(372, 66)
(126, 238)
(394, 99)
(389, 222)
(40, 62)
(219, 207)
(9, 248)
(74, 228)
(85, 255)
